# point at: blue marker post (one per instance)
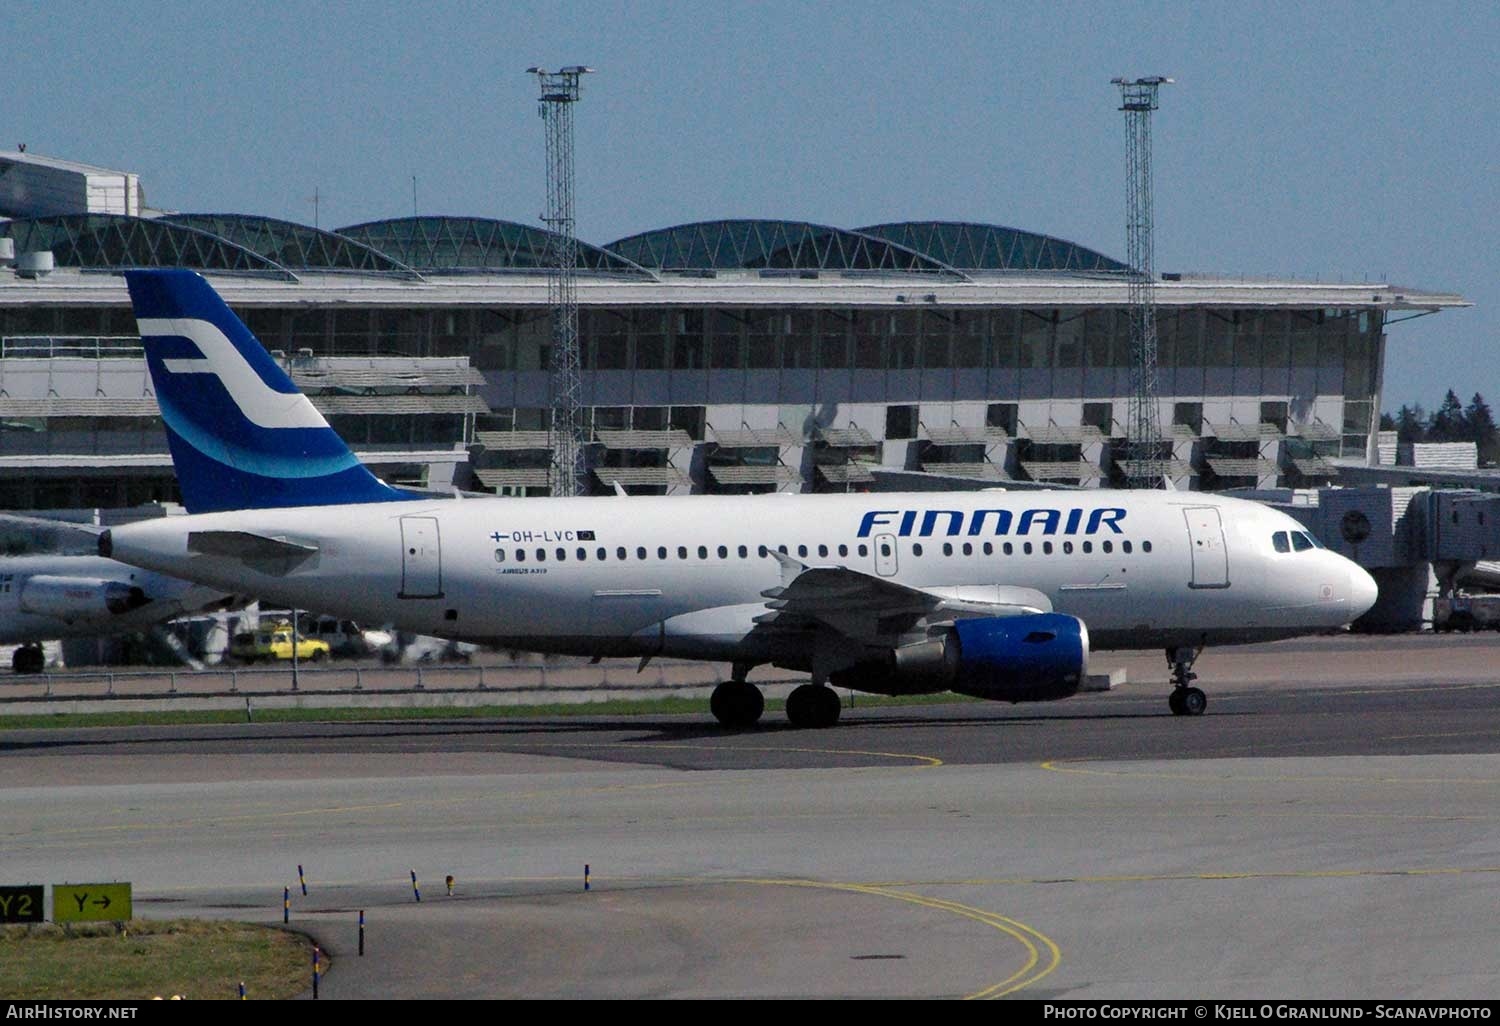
(361, 932)
(415, 892)
(242, 990)
(301, 879)
(286, 904)
(585, 876)
(317, 970)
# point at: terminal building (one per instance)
(726, 356)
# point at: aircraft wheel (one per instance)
(1174, 702)
(813, 705)
(737, 704)
(1194, 701)
(28, 659)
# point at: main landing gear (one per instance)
(736, 703)
(813, 705)
(1185, 700)
(28, 658)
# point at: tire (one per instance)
(813, 706)
(1194, 701)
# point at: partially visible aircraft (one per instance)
(64, 596)
(992, 594)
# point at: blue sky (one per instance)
(1346, 141)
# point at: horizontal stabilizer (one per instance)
(269, 555)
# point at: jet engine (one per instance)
(1037, 657)
(79, 598)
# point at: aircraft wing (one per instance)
(868, 608)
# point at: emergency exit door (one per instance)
(421, 558)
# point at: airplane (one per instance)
(71, 596)
(994, 594)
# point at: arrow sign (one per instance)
(90, 902)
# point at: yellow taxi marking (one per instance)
(1033, 940)
(925, 761)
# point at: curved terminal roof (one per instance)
(429, 244)
(992, 247)
(119, 241)
(426, 245)
(292, 245)
(751, 244)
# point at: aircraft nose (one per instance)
(1363, 591)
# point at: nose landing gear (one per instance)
(1185, 700)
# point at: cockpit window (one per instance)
(1279, 540)
(1301, 542)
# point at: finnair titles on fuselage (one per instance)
(986, 593)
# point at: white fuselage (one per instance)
(685, 576)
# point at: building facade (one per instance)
(725, 356)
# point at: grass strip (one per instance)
(147, 958)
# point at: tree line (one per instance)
(1452, 421)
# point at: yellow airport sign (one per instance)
(72, 903)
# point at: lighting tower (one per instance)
(1146, 465)
(565, 430)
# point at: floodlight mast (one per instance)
(567, 474)
(1146, 464)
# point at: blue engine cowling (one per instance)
(1039, 657)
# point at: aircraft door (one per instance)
(1206, 540)
(421, 558)
(885, 554)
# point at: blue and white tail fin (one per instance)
(242, 436)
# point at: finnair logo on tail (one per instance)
(262, 405)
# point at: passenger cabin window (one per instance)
(916, 549)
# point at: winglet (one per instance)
(242, 436)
